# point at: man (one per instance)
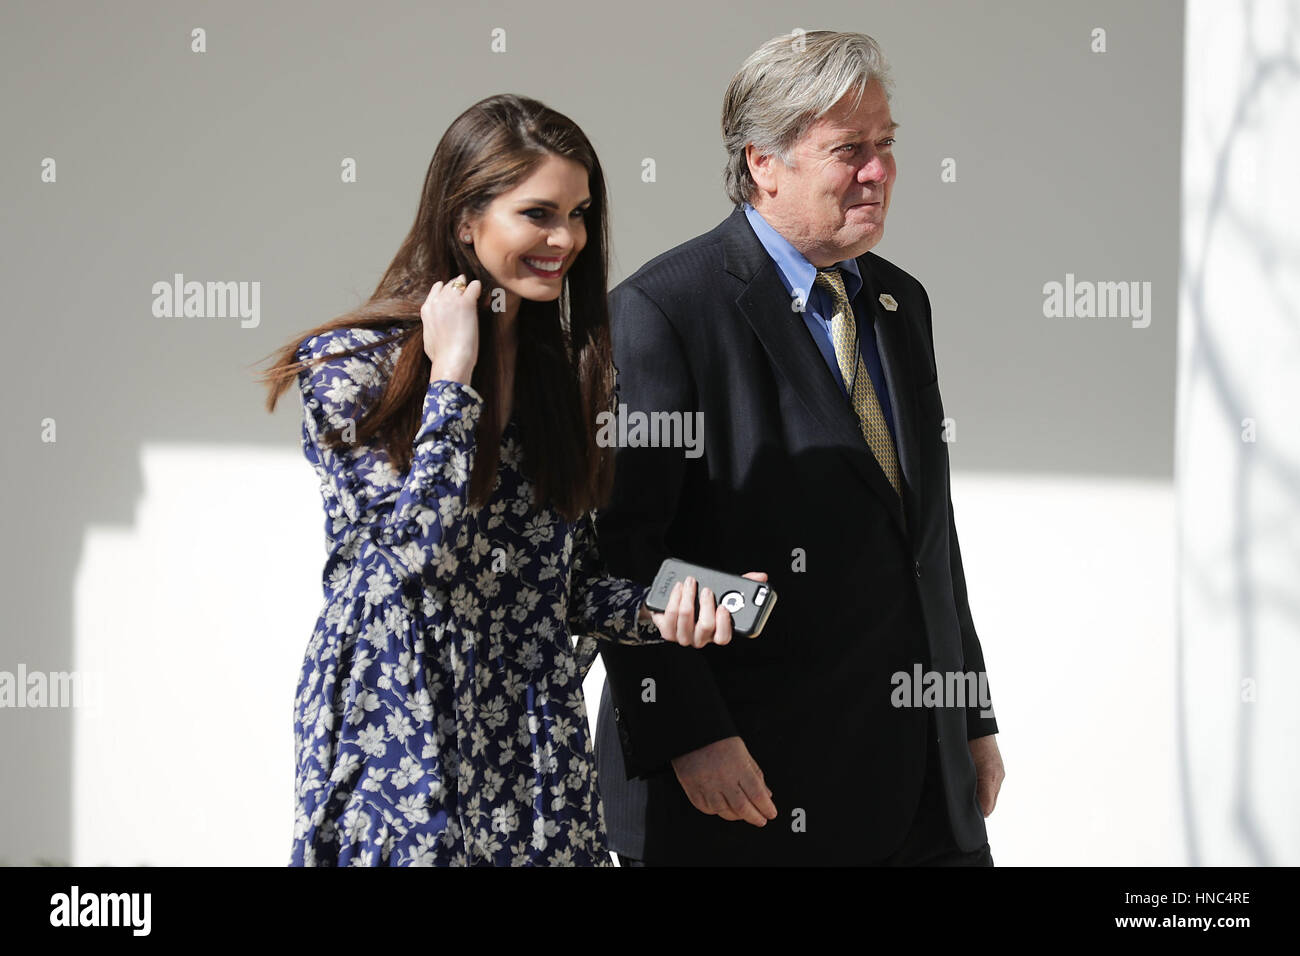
(812, 361)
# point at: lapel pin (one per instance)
(888, 302)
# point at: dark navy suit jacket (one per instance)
(868, 585)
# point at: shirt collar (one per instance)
(796, 271)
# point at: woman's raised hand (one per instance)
(450, 317)
(676, 622)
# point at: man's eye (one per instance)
(850, 146)
(888, 142)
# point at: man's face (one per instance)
(832, 204)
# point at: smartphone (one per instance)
(748, 602)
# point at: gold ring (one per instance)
(458, 282)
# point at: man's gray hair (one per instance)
(784, 87)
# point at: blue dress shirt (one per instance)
(797, 273)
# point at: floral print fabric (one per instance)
(439, 716)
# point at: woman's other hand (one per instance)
(450, 317)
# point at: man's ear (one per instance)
(760, 168)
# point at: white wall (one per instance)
(198, 631)
(1238, 455)
(197, 617)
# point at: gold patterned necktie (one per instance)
(862, 392)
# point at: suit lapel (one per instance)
(766, 306)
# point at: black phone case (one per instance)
(749, 602)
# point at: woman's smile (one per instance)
(548, 267)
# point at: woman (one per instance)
(439, 717)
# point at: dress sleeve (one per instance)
(601, 605)
(416, 518)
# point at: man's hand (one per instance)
(721, 778)
(989, 772)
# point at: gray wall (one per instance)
(225, 166)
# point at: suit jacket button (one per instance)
(917, 567)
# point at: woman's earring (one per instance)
(464, 238)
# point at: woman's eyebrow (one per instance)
(549, 204)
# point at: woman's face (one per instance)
(528, 237)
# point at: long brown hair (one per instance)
(564, 370)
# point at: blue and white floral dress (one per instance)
(439, 717)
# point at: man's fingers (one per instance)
(712, 803)
(759, 795)
(743, 808)
(988, 796)
(755, 575)
(725, 812)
